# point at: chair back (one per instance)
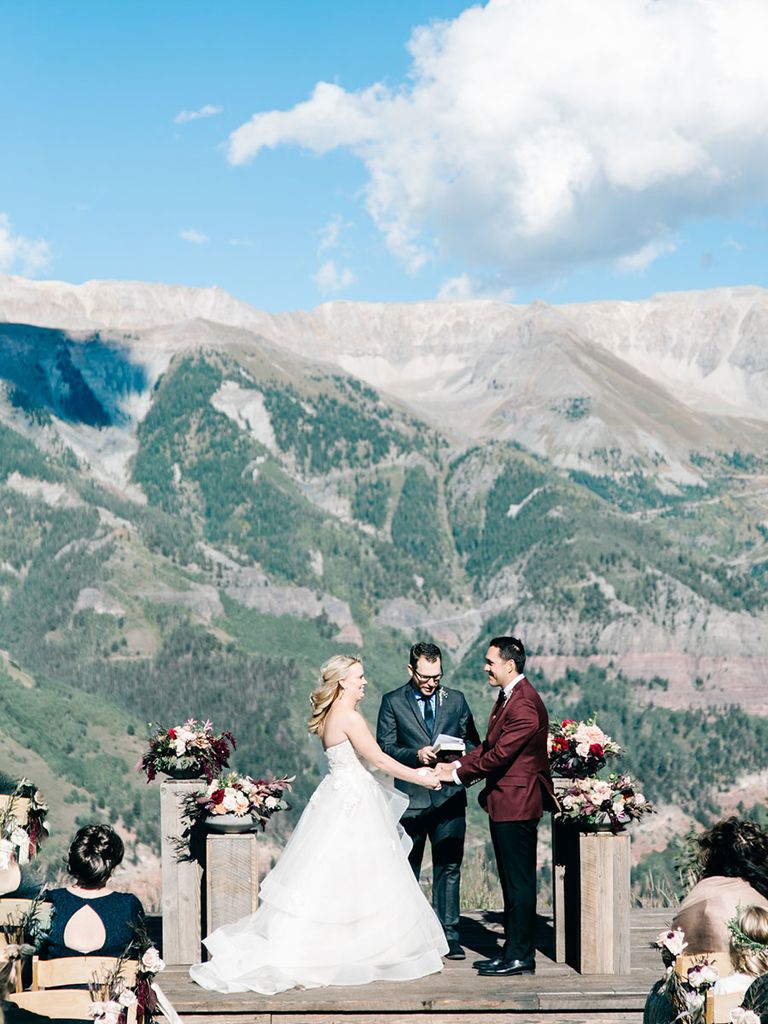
(13, 909)
(717, 1009)
(20, 806)
(70, 1003)
(718, 959)
(79, 970)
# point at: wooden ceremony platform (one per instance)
(457, 995)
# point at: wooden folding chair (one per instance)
(63, 1002)
(13, 909)
(717, 1009)
(78, 970)
(20, 806)
(718, 959)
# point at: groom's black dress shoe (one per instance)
(455, 952)
(508, 967)
(493, 962)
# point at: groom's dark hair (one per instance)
(510, 649)
(423, 650)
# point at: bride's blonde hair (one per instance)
(328, 689)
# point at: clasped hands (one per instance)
(434, 777)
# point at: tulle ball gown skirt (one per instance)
(341, 907)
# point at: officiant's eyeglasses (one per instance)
(427, 679)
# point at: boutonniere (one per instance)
(441, 695)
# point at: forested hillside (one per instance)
(274, 514)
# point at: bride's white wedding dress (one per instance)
(341, 906)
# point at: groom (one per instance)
(410, 719)
(513, 763)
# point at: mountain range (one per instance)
(199, 501)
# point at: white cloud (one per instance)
(465, 286)
(533, 136)
(193, 236)
(194, 115)
(641, 258)
(330, 278)
(331, 233)
(20, 253)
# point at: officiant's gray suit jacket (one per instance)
(401, 733)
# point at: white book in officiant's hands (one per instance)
(447, 747)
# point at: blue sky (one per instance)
(567, 150)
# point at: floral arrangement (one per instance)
(241, 795)
(578, 749)
(20, 840)
(614, 801)
(687, 994)
(113, 997)
(187, 751)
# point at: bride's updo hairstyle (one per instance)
(328, 689)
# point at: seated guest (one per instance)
(733, 862)
(756, 998)
(88, 916)
(749, 950)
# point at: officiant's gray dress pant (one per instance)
(445, 829)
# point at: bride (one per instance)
(341, 906)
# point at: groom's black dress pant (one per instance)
(445, 827)
(514, 843)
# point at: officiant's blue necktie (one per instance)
(429, 714)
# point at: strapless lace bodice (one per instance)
(343, 760)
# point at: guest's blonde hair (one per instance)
(749, 941)
(328, 689)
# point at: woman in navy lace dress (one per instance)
(88, 916)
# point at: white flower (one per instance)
(241, 803)
(105, 1013)
(151, 961)
(673, 941)
(182, 738)
(272, 802)
(7, 852)
(127, 997)
(741, 1016)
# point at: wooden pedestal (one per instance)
(231, 878)
(182, 879)
(591, 899)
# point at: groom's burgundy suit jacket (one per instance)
(512, 759)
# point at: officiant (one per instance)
(411, 720)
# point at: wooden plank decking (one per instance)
(455, 996)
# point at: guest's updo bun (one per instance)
(94, 854)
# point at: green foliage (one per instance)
(328, 432)
(36, 413)
(182, 394)
(415, 523)
(679, 754)
(73, 732)
(17, 454)
(370, 501)
(514, 520)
